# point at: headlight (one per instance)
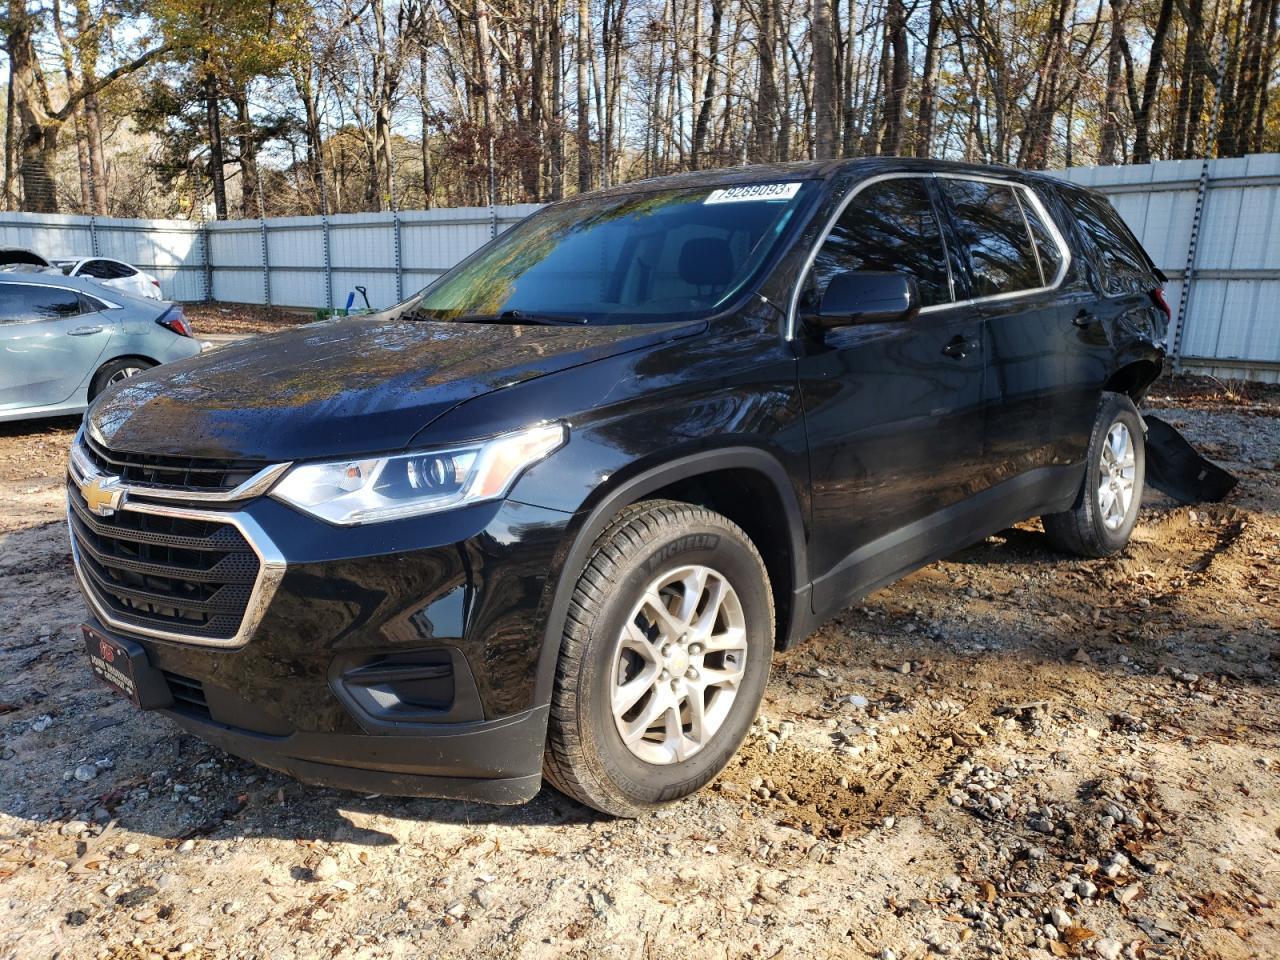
(367, 491)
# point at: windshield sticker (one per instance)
(754, 191)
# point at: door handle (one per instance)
(1084, 319)
(84, 331)
(960, 346)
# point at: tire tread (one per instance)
(566, 764)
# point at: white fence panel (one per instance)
(1232, 327)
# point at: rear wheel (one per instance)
(1106, 509)
(664, 660)
(116, 371)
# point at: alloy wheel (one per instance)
(124, 373)
(678, 664)
(1117, 469)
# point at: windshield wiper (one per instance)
(519, 316)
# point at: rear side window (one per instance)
(20, 302)
(103, 270)
(889, 226)
(1122, 264)
(993, 231)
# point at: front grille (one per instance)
(188, 695)
(182, 576)
(176, 473)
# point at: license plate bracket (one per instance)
(123, 665)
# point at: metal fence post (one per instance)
(266, 263)
(1202, 189)
(328, 268)
(206, 257)
(493, 191)
(395, 240)
(262, 226)
(93, 216)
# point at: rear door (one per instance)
(50, 339)
(1123, 277)
(1047, 359)
(894, 411)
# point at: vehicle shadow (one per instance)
(41, 426)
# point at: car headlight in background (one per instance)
(349, 492)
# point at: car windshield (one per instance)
(641, 257)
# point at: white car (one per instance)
(113, 273)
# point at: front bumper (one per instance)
(493, 761)
(394, 658)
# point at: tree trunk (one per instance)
(37, 133)
(766, 110)
(303, 80)
(1142, 120)
(582, 52)
(250, 197)
(824, 86)
(929, 82)
(213, 124)
(484, 52)
(1248, 95)
(428, 181)
(90, 29)
(703, 120)
(82, 165)
(9, 130)
(1034, 148)
(555, 105)
(1111, 96)
(896, 76)
(1187, 76)
(1268, 66)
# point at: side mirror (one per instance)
(867, 296)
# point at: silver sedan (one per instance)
(64, 340)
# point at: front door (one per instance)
(894, 411)
(48, 344)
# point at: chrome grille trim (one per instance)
(271, 563)
(254, 486)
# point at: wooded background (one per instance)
(233, 108)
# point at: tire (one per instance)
(1098, 525)
(663, 545)
(113, 371)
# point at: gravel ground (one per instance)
(1007, 754)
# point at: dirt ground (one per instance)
(1008, 754)
(242, 318)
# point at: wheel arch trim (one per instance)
(635, 488)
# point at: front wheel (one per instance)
(1106, 509)
(664, 660)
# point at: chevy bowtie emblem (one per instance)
(102, 495)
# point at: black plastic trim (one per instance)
(496, 761)
(350, 678)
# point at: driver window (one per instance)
(890, 225)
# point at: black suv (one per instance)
(553, 515)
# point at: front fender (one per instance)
(635, 485)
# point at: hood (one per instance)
(343, 387)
